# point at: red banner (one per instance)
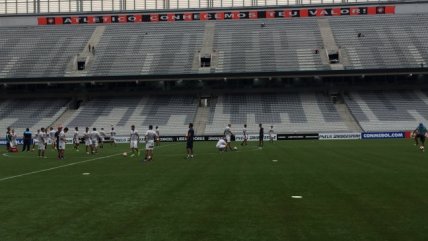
(222, 15)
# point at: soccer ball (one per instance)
(125, 154)
(421, 148)
(235, 148)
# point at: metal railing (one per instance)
(11, 7)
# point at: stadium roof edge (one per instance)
(216, 76)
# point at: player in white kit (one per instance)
(41, 142)
(228, 135)
(52, 138)
(87, 139)
(134, 139)
(13, 135)
(102, 137)
(62, 139)
(271, 134)
(36, 140)
(95, 137)
(221, 145)
(113, 137)
(150, 137)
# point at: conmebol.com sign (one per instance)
(382, 135)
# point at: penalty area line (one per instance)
(57, 167)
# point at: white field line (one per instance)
(57, 167)
(67, 165)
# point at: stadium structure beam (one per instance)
(215, 76)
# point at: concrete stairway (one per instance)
(347, 117)
(330, 46)
(63, 118)
(201, 119)
(206, 50)
(86, 55)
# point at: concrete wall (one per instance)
(18, 21)
(412, 8)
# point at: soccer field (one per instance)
(351, 190)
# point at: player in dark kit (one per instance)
(245, 136)
(189, 141)
(419, 134)
(8, 138)
(27, 140)
(158, 136)
(56, 135)
(261, 135)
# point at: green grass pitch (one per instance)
(352, 190)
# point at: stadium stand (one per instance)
(20, 113)
(388, 111)
(279, 45)
(171, 113)
(148, 49)
(384, 42)
(288, 113)
(241, 47)
(40, 52)
(245, 46)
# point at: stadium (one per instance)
(331, 93)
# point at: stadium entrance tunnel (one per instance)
(205, 61)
